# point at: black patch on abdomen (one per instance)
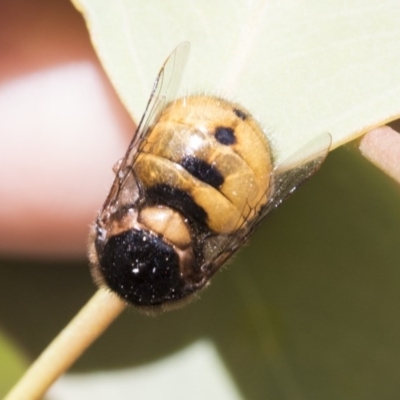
(225, 135)
(178, 199)
(240, 114)
(203, 171)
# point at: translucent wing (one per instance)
(295, 170)
(287, 177)
(164, 91)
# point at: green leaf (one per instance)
(302, 68)
(12, 364)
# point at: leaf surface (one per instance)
(302, 68)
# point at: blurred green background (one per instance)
(308, 310)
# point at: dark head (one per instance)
(141, 268)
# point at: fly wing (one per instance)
(164, 91)
(287, 177)
(295, 170)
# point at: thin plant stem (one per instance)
(93, 319)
